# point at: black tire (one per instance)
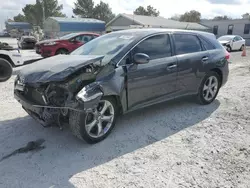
(229, 49)
(62, 51)
(242, 47)
(200, 97)
(77, 122)
(5, 70)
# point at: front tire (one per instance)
(5, 70)
(95, 126)
(209, 88)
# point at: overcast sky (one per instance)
(167, 8)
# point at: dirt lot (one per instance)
(176, 144)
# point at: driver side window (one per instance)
(78, 38)
(155, 47)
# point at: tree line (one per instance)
(42, 9)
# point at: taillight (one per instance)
(227, 55)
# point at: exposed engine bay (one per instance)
(50, 103)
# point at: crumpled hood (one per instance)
(224, 41)
(55, 68)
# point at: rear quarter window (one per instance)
(207, 44)
(186, 43)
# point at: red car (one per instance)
(63, 45)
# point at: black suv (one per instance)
(120, 72)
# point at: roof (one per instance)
(25, 36)
(17, 23)
(149, 31)
(226, 21)
(160, 22)
(76, 20)
(230, 36)
(79, 24)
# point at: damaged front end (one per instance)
(51, 102)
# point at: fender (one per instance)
(111, 85)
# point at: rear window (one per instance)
(30, 39)
(185, 43)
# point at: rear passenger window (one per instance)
(185, 44)
(207, 45)
(155, 47)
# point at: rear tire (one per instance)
(209, 88)
(242, 48)
(82, 124)
(5, 70)
(229, 49)
(62, 51)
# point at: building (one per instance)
(18, 27)
(58, 26)
(127, 21)
(230, 27)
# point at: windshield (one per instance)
(68, 36)
(108, 45)
(226, 38)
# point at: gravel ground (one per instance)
(175, 144)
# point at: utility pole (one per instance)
(43, 11)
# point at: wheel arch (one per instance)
(7, 58)
(61, 48)
(219, 72)
(118, 102)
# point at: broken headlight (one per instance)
(89, 93)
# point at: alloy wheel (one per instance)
(99, 122)
(210, 88)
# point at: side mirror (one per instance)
(141, 58)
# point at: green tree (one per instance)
(87, 9)
(34, 13)
(191, 16)
(19, 18)
(149, 11)
(225, 17)
(246, 16)
(51, 8)
(103, 12)
(84, 8)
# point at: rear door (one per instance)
(191, 57)
(156, 80)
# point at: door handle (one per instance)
(171, 66)
(204, 59)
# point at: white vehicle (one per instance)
(232, 42)
(13, 56)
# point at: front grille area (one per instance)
(34, 95)
(31, 94)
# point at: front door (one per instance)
(156, 80)
(76, 43)
(237, 43)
